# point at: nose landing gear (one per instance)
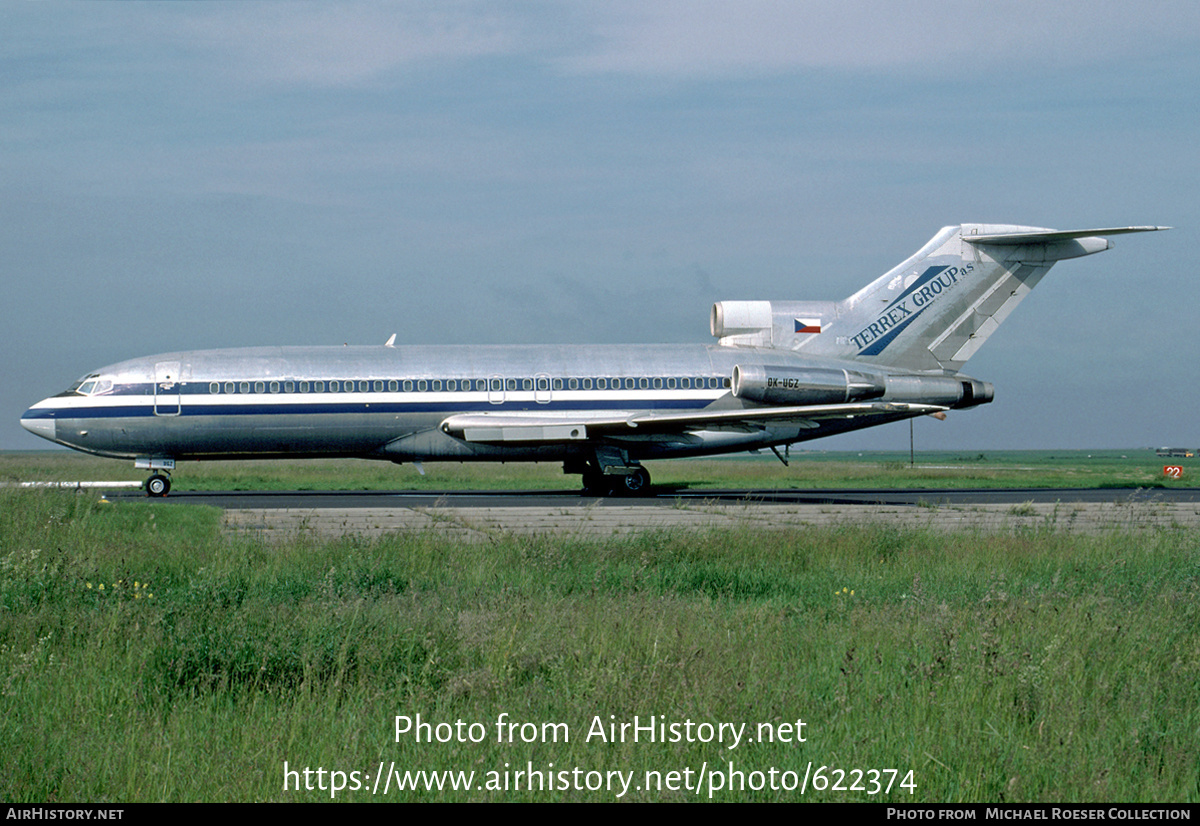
(159, 484)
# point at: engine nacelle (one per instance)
(976, 392)
(950, 391)
(740, 318)
(784, 325)
(772, 384)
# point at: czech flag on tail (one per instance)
(808, 325)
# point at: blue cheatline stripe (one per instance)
(926, 277)
(880, 344)
(200, 387)
(358, 408)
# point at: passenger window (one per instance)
(558, 384)
(230, 387)
(587, 384)
(511, 384)
(333, 387)
(451, 385)
(657, 384)
(670, 382)
(289, 387)
(319, 386)
(572, 384)
(260, 387)
(630, 384)
(422, 385)
(685, 383)
(408, 386)
(274, 387)
(214, 388)
(526, 384)
(601, 384)
(303, 387)
(245, 387)
(437, 385)
(379, 385)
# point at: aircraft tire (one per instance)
(597, 484)
(635, 483)
(158, 485)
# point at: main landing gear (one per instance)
(610, 473)
(159, 484)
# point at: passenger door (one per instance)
(166, 388)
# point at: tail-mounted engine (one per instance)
(784, 325)
(772, 384)
(786, 385)
(957, 392)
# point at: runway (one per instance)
(484, 515)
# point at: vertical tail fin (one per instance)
(933, 311)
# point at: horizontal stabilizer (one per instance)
(1051, 235)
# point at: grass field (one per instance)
(147, 655)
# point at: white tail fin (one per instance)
(932, 312)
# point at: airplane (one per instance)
(780, 372)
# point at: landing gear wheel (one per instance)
(597, 484)
(634, 483)
(158, 485)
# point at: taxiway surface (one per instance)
(327, 500)
(483, 515)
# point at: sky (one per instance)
(178, 175)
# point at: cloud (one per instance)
(347, 44)
(715, 38)
(350, 43)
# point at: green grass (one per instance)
(816, 469)
(1030, 666)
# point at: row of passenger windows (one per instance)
(493, 385)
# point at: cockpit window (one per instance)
(92, 386)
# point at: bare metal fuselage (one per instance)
(389, 402)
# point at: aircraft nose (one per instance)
(38, 425)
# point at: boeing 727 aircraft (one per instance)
(780, 372)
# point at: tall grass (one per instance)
(1032, 666)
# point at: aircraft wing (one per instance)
(534, 426)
